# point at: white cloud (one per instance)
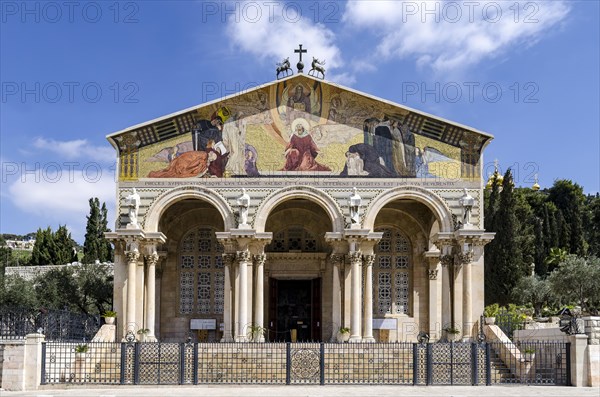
(274, 38)
(76, 149)
(465, 34)
(63, 197)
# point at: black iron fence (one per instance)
(305, 363)
(57, 325)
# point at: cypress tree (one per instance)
(96, 247)
(107, 250)
(65, 246)
(91, 245)
(568, 198)
(44, 249)
(507, 263)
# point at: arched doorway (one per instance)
(297, 305)
(191, 283)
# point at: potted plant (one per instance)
(490, 312)
(109, 317)
(142, 332)
(80, 351)
(452, 334)
(257, 333)
(343, 335)
(528, 355)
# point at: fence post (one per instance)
(322, 363)
(568, 352)
(123, 354)
(43, 380)
(415, 363)
(429, 369)
(488, 365)
(182, 351)
(474, 364)
(136, 364)
(288, 362)
(195, 365)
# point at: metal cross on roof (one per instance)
(300, 65)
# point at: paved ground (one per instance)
(304, 391)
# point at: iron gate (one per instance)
(306, 363)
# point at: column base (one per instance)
(355, 339)
(227, 339)
(368, 339)
(241, 338)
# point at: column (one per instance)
(259, 301)
(355, 301)
(435, 311)
(151, 260)
(336, 305)
(132, 259)
(467, 302)
(242, 297)
(446, 303)
(368, 299)
(228, 260)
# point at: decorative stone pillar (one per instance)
(337, 261)
(355, 301)
(435, 310)
(467, 300)
(132, 258)
(243, 260)
(447, 262)
(259, 301)
(228, 261)
(151, 261)
(369, 260)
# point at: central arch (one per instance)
(435, 203)
(323, 200)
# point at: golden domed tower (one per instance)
(536, 185)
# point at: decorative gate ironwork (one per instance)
(304, 363)
(456, 364)
(308, 363)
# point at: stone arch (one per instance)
(326, 202)
(173, 196)
(435, 203)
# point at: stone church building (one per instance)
(293, 210)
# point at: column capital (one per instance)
(369, 259)
(132, 256)
(243, 256)
(152, 259)
(337, 259)
(228, 258)
(355, 257)
(260, 259)
(432, 274)
(447, 260)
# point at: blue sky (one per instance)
(71, 73)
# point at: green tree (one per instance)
(15, 291)
(96, 247)
(592, 224)
(576, 281)
(568, 198)
(555, 258)
(65, 246)
(504, 260)
(44, 249)
(534, 291)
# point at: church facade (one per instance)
(295, 210)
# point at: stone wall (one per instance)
(31, 272)
(592, 329)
